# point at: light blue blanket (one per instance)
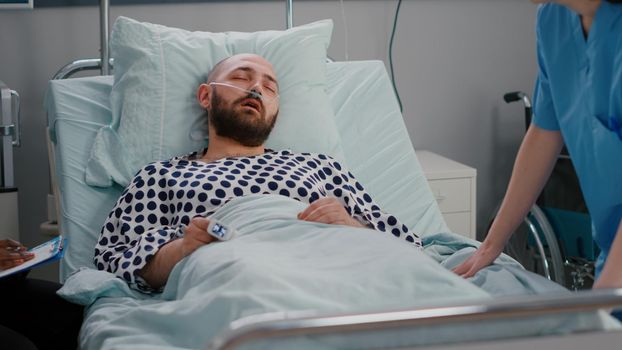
(280, 264)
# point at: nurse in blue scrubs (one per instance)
(577, 100)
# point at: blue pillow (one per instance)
(158, 69)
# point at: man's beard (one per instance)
(246, 128)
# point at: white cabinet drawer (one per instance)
(459, 223)
(452, 195)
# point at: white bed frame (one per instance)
(274, 327)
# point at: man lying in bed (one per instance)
(161, 216)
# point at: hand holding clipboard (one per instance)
(15, 258)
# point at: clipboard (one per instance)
(45, 253)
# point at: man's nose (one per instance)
(257, 89)
(256, 93)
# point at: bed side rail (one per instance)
(91, 64)
(64, 73)
(80, 65)
(279, 325)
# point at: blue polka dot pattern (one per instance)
(164, 196)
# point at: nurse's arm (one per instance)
(611, 276)
(535, 160)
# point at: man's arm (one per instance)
(134, 233)
(159, 267)
(355, 206)
(611, 276)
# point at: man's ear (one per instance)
(204, 95)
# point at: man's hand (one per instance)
(328, 211)
(195, 235)
(157, 270)
(13, 254)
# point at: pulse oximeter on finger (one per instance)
(220, 231)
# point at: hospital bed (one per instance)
(378, 150)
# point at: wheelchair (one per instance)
(555, 238)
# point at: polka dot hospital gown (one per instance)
(166, 195)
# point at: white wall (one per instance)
(454, 59)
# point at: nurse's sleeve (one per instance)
(544, 115)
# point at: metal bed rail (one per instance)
(93, 63)
(104, 25)
(275, 325)
(82, 65)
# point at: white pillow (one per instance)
(158, 69)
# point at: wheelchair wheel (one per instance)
(535, 246)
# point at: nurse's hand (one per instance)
(13, 254)
(483, 256)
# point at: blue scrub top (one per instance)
(579, 92)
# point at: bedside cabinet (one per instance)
(453, 185)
